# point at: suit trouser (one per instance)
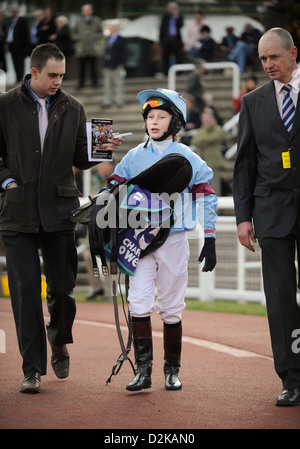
(93, 63)
(113, 85)
(24, 276)
(18, 57)
(172, 46)
(280, 284)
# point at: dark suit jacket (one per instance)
(164, 28)
(20, 35)
(45, 29)
(115, 54)
(263, 190)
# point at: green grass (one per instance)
(211, 306)
(227, 306)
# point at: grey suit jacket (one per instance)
(263, 190)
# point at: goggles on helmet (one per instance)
(153, 103)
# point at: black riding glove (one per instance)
(209, 253)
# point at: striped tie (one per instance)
(288, 108)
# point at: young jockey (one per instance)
(164, 112)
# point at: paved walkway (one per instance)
(227, 374)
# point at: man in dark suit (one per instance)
(18, 42)
(170, 36)
(47, 26)
(266, 190)
(113, 70)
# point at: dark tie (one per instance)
(288, 108)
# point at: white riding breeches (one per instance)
(167, 270)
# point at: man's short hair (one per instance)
(284, 35)
(41, 53)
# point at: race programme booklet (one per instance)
(99, 130)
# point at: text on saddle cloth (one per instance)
(147, 214)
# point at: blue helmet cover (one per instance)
(174, 97)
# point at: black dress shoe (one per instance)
(289, 397)
(31, 382)
(60, 361)
(172, 381)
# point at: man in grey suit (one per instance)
(266, 190)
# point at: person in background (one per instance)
(3, 29)
(193, 33)
(207, 143)
(114, 68)
(17, 39)
(245, 47)
(62, 36)
(39, 14)
(86, 34)
(266, 192)
(276, 13)
(250, 84)
(196, 85)
(204, 48)
(228, 42)
(193, 120)
(47, 26)
(170, 36)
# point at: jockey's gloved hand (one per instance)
(209, 254)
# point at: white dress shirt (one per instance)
(295, 83)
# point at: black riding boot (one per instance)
(143, 349)
(172, 347)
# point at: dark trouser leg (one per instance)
(166, 52)
(18, 61)
(82, 64)
(143, 349)
(94, 71)
(60, 263)
(279, 272)
(172, 349)
(24, 276)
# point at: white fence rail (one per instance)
(174, 69)
(237, 276)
